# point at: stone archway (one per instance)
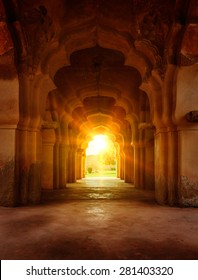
(122, 67)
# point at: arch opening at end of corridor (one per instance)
(101, 158)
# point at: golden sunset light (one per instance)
(98, 144)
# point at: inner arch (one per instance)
(101, 157)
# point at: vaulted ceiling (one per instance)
(98, 54)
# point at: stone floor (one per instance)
(99, 219)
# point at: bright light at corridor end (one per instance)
(99, 143)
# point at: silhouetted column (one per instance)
(128, 168)
(132, 164)
(122, 165)
(56, 165)
(83, 164)
(79, 163)
(118, 164)
(72, 165)
(62, 165)
(136, 165)
(146, 156)
(142, 166)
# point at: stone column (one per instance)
(132, 164)
(72, 164)
(64, 153)
(118, 164)
(136, 165)
(83, 164)
(8, 191)
(128, 168)
(149, 166)
(69, 167)
(47, 165)
(172, 167)
(62, 165)
(147, 156)
(29, 143)
(142, 166)
(22, 165)
(78, 163)
(56, 165)
(122, 165)
(34, 162)
(9, 116)
(161, 166)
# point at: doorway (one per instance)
(101, 158)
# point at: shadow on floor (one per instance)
(98, 188)
(108, 220)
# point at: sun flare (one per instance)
(98, 144)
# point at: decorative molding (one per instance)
(153, 21)
(39, 30)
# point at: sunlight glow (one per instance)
(98, 144)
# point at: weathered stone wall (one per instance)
(186, 93)
(7, 183)
(8, 191)
(188, 166)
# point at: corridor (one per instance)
(73, 71)
(97, 188)
(99, 219)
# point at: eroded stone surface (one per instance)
(7, 183)
(188, 192)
